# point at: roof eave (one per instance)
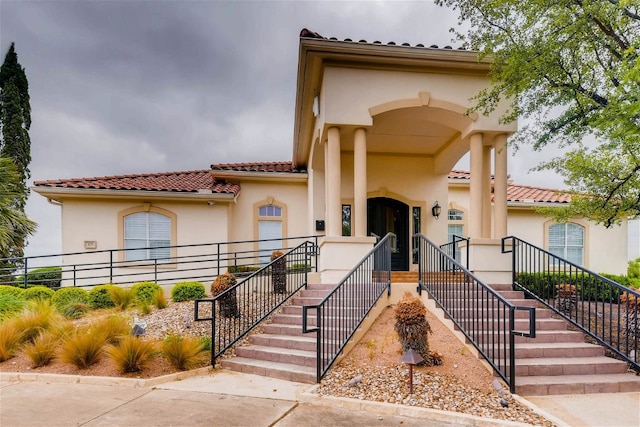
(57, 193)
(261, 176)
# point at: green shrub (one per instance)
(144, 291)
(39, 293)
(187, 291)
(75, 309)
(589, 288)
(99, 297)
(45, 276)
(10, 305)
(299, 268)
(633, 269)
(11, 290)
(183, 353)
(65, 296)
(132, 354)
(241, 270)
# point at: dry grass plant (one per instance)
(122, 297)
(10, 339)
(38, 316)
(183, 353)
(83, 347)
(132, 354)
(159, 300)
(114, 327)
(42, 349)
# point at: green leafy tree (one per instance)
(15, 146)
(572, 69)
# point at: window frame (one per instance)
(547, 234)
(270, 201)
(147, 208)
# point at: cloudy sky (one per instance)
(153, 86)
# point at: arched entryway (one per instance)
(384, 216)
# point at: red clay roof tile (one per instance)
(184, 182)
(285, 167)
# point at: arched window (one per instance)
(566, 240)
(270, 229)
(149, 231)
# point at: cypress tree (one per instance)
(15, 145)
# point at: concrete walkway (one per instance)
(227, 398)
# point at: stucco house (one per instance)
(378, 131)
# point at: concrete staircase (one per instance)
(559, 361)
(281, 350)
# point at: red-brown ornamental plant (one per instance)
(228, 302)
(412, 326)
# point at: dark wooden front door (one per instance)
(391, 216)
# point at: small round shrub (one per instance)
(40, 293)
(144, 291)
(65, 296)
(187, 291)
(45, 276)
(99, 297)
(11, 290)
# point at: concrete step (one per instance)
(285, 371)
(297, 310)
(553, 366)
(278, 354)
(456, 293)
(553, 350)
(320, 286)
(304, 342)
(490, 302)
(541, 337)
(541, 313)
(577, 384)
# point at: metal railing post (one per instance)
(111, 266)
(26, 272)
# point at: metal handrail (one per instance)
(606, 311)
(484, 316)
(192, 262)
(236, 311)
(450, 248)
(340, 313)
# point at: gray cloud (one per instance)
(148, 86)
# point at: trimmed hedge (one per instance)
(40, 293)
(99, 297)
(187, 291)
(11, 290)
(45, 276)
(65, 296)
(590, 288)
(144, 292)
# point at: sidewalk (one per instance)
(232, 399)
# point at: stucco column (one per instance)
(475, 190)
(486, 191)
(332, 178)
(359, 215)
(500, 187)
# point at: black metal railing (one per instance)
(486, 318)
(337, 317)
(197, 262)
(236, 311)
(454, 251)
(601, 308)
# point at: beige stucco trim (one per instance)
(423, 99)
(585, 243)
(147, 207)
(262, 176)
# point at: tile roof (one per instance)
(193, 181)
(523, 193)
(308, 34)
(271, 167)
(181, 182)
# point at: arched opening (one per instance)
(384, 216)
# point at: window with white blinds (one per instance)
(270, 228)
(567, 241)
(149, 234)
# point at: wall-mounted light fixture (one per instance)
(436, 210)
